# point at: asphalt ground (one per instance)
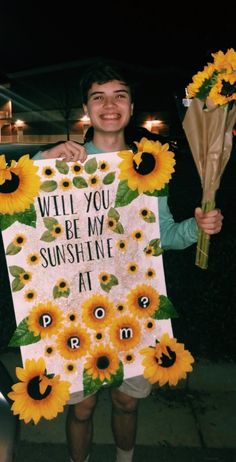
(193, 422)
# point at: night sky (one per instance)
(149, 34)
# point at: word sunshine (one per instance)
(77, 253)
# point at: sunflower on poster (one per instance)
(38, 394)
(19, 186)
(146, 171)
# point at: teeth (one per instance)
(110, 117)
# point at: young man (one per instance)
(108, 101)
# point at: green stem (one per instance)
(203, 241)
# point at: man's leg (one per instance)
(79, 428)
(124, 421)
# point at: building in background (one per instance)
(43, 105)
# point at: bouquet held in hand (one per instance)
(208, 124)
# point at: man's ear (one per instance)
(85, 109)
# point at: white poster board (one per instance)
(88, 277)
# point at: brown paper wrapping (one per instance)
(209, 132)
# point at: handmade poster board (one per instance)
(86, 273)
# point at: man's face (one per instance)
(109, 106)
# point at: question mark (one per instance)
(144, 301)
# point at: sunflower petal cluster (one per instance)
(167, 362)
(150, 168)
(37, 394)
(217, 81)
(19, 184)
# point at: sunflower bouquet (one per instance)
(208, 124)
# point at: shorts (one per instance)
(137, 387)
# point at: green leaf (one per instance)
(50, 222)
(155, 244)
(62, 166)
(117, 379)
(28, 217)
(119, 228)
(166, 309)
(48, 186)
(124, 195)
(158, 192)
(151, 218)
(16, 270)
(113, 281)
(16, 285)
(106, 287)
(79, 182)
(91, 165)
(6, 221)
(112, 213)
(57, 293)
(90, 385)
(47, 237)
(109, 178)
(22, 335)
(13, 249)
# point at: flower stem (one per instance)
(203, 241)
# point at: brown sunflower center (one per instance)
(33, 258)
(10, 185)
(167, 361)
(77, 168)
(102, 362)
(57, 230)
(33, 389)
(48, 172)
(45, 320)
(66, 184)
(143, 302)
(144, 213)
(228, 89)
(147, 164)
(30, 295)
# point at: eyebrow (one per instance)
(121, 90)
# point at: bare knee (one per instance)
(123, 402)
(83, 411)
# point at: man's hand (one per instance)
(70, 151)
(209, 222)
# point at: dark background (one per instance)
(154, 34)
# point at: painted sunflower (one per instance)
(5, 173)
(167, 362)
(148, 170)
(143, 300)
(73, 342)
(38, 395)
(65, 184)
(102, 363)
(97, 311)
(19, 240)
(18, 192)
(125, 333)
(45, 319)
